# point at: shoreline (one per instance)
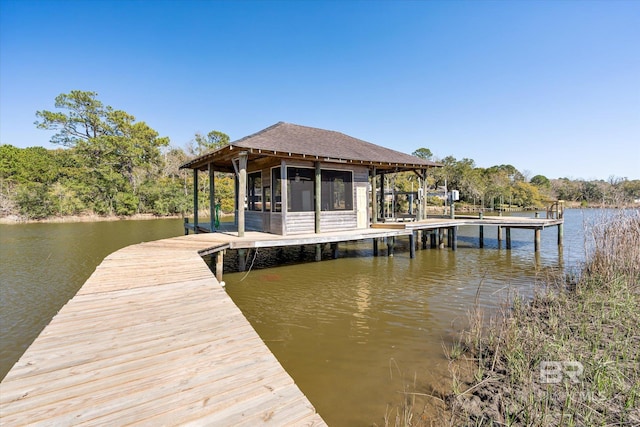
(568, 355)
(16, 220)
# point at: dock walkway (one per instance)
(152, 338)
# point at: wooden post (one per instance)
(537, 239)
(434, 238)
(242, 190)
(374, 199)
(412, 245)
(334, 250)
(212, 199)
(424, 239)
(449, 236)
(382, 198)
(481, 232)
(242, 260)
(375, 246)
(390, 245)
(195, 201)
(508, 230)
(499, 237)
(219, 265)
(318, 252)
(318, 195)
(441, 238)
(284, 199)
(454, 238)
(560, 234)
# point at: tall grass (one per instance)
(585, 324)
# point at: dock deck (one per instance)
(152, 338)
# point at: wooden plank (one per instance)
(150, 338)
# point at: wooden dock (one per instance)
(152, 338)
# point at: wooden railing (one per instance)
(555, 209)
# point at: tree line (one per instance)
(110, 164)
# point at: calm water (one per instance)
(353, 332)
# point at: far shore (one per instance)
(14, 219)
(17, 219)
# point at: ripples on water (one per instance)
(355, 331)
(352, 332)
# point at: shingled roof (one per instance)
(294, 141)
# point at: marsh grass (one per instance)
(591, 318)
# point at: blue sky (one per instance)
(551, 87)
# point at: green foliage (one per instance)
(423, 153)
(212, 141)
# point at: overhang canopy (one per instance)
(286, 140)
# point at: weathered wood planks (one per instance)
(151, 338)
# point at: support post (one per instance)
(212, 200)
(374, 199)
(560, 234)
(390, 245)
(195, 201)
(318, 195)
(383, 198)
(449, 237)
(481, 232)
(334, 250)
(412, 245)
(499, 236)
(424, 239)
(434, 238)
(318, 252)
(508, 232)
(375, 246)
(537, 239)
(242, 190)
(219, 265)
(441, 238)
(242, 260)
(186, 226)
(454, 238)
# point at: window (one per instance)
(276, 190)
(254, 193)
(337, 190)
(300, 189)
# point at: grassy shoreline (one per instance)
(570, 356)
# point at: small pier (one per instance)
(152, 338)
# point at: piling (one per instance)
(560, 234)
(390, 245)
(481, 232)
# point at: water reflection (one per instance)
(353, 332)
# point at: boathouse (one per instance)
(293, 179)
